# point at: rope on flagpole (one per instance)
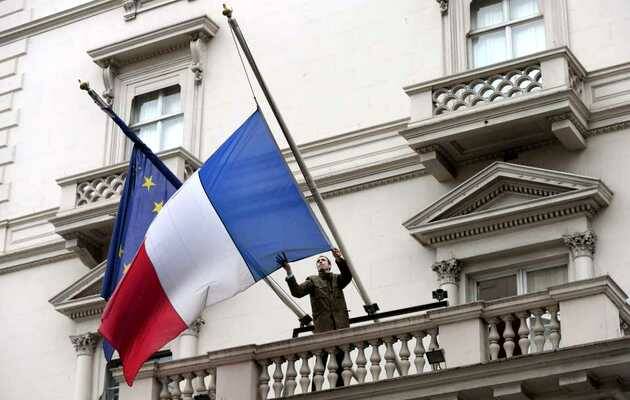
(251, 88)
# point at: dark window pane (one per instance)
(496, 288)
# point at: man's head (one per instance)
(323, 264)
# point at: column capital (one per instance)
(448, 271)
(581, 243)
(195, 327)
(85, 344)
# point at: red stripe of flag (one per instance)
(139, 318)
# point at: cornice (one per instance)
(155, 42)
(57, 20)
(34, 256)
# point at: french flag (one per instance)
(215, 237)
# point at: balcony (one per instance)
(568, 339)
(498, 111)
(89, 202)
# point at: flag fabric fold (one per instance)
(146, 189)
(216, 236)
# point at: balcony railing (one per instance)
(468, 335)
(502, 109)
(89, 202)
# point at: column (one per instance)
(582, 247)
(188, 339)
(448, 272)
(84, 345)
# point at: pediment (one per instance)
(507, 196)
(82, 299)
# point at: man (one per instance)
(328, 303)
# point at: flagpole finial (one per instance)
(227, 11)
(84, 85)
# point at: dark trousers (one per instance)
(339, 358)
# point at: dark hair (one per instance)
(322, 256)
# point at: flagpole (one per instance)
(304, 318)
(369, 307)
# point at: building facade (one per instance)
(478, 146)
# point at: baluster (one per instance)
(188, 391)
(523, 332)
(318, 371)
(199, 384)
(164, 393)
(375, 360)
(419, 351)
(390, 357)
(176, 394)
(508, 336)
(290, 384)
(361, 362)
(554, 327)
(433, 343)
(305, 373)
(346, 364)
(263, 380)
(277, 377)
(539, 330)
(332, 368)
(212, 383)
(493, 339)
(404, 355)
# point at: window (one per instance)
(505, 29)
(521, 281)
(158, 119)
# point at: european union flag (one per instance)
(146, 190)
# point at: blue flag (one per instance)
(146, 190)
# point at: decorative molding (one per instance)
(443, 6)
(196, 51)
(130, 9)
(195, 327)
(448, 271)
(581, 243)
(72, 304)
(150, 44)
(85, 344)
(543, 196)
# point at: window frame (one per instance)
(159, 119)
(149, 76)
(457, 27)
(506, 26)
(484, 271)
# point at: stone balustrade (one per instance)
(358, 359)
(511, 106)
(523, 332)
(500, 85)
(571, 315)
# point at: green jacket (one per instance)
(327, 301)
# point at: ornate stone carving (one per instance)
(581, 243)
(109, 72)
(196, 54)
(100, 188)
(448, 271)
(86, 343)
(443, 6)
(196, 325)
(131, 9)
(487, 90)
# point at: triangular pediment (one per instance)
(82, 299)
(504, 196)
